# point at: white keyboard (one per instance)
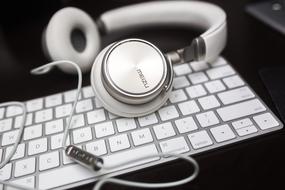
(210, 106)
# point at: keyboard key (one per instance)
(177, 96)
(168, 112)
(43, 115)
(56, 141)
(88, 92)
(82, 135)
(209, 102)
(104, 129)
(29, 119)
(76, 121)
(186, 124)
(163, 130)
(13, 110)
(5, 124)
(199, 77)
(98, 103)
(246, 130)
(220, 72)
(241, 110)
(236, 95)
(33, 132)
(5, 172)
(176, 145)
(62, 111)
(96, 116)
(207, 119)
(128, 156)
(242, 123)
(25, 167)
(9, 137)
(64, 176)
(219, 62)
(48, 160)
(119, 142)
(180, 82)
(84, 105)
(20, 152)
(141, 136)
(222, 133)
(54, 126)
(28, 182)
(196, 91)
(200, 139)
(199, 65)
(112, 116)
(53, 100)
(37, 146)
(65, 159)
(215, 86)
(2, 111)
(97, 148)
(18, 120)
(181, 69)
(70, 96)
(234, 81)
(265, 121)
(188, 107)
(147, 120)
(35, 105)
(78, 173)
(125, 124)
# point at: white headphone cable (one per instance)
(189, 159)
(46, 68)
(38, 71)
(17, 141)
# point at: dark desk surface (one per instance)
(254, 164)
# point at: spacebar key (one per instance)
(75, 173)
(241, 110)
(131, 157)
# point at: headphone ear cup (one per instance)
(58, 42)
(117, 107)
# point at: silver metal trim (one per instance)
(170, 75)
(127, 97)
(195, 52)
(199, 49)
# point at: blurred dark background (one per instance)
(256, 164)
(251, 45)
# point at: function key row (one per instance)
(214, 86)
(48, 102)
(186, 68)
(58, 99)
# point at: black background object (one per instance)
(274, 80)
(271, 12)
(254, 164)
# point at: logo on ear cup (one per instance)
(142, 77)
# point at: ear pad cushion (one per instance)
(58, 43)
(116, 107)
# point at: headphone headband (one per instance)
(202, 15)
(206, 16)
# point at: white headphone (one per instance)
(133, 77)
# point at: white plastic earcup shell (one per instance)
(57, 38)
(113, 105)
